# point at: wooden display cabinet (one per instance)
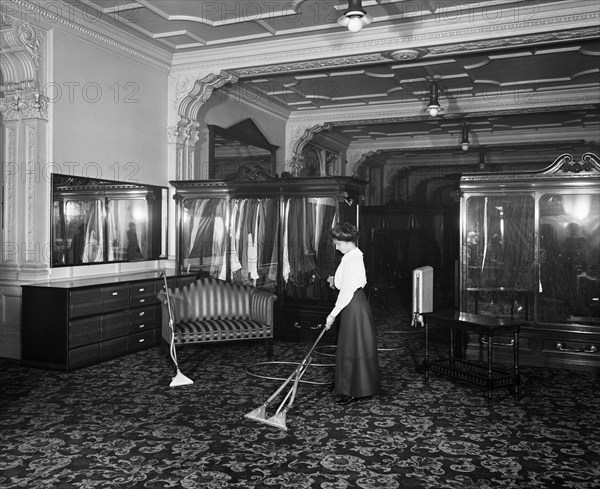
(271, 233)
(530, 250)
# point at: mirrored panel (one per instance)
(500, 250)
(569, 257)
(101, 221)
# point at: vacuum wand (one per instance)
(278, 420)
(179, 378)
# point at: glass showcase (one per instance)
(100, 221)
(531, 244)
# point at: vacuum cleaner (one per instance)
(179, 378)
(278, 419)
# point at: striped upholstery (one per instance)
(220, 330)
(211, 310)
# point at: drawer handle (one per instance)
(141, 289)
(142, 300)
(591, 349)
(141, 326)
(484, 341)
(141, 341)
(115, 293)
(142, 313)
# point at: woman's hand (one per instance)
(329, 321)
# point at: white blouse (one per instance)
(349, 276)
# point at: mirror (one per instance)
(569, 256)
(103, 221)
(242, 144)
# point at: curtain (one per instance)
(127, 228)
(93, 251)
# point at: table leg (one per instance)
(517, 379)
(451, 352)
(426, 359)
(489, 371)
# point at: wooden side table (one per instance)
(476, 373)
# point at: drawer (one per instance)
(139, 328)
(142, 300)
(85, 309)
(142, 289)
(113, 348)
(84, 355)
(145, 339)
(84, 332)
(115, 297)
(501, 342)
(145, 314)
(84, 296)
(570, 345)
(115, 325)
(114, 292)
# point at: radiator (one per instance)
(422, 293)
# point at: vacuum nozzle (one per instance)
(180, 379)
(260, 415)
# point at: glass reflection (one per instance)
(569, 256)
(500, 242)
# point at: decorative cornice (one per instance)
(36, 10)
(516, 41)
(359, 59)
(434, 42)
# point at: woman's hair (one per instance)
(344, 231)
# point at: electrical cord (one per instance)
(318, 351)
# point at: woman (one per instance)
(356, 364)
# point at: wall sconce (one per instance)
(465, 144)
(433, 106)
(355, 18)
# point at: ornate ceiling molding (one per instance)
(516, 41)
(411, 54)
(490, 34)
(68, 20)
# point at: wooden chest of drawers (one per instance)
(69, 324)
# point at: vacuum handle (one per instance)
(166, 287)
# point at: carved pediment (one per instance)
(251, 174)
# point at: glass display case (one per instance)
(101, 221)
(268, 232)
(530, 249)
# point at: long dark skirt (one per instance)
(356, 363)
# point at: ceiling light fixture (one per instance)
(465, 138)
(355, 18)
(434, 106)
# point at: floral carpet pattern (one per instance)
(119, 425)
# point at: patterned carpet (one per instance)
(120, 425)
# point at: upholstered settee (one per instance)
(209, 310)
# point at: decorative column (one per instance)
(26, 234)
(25, 245)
